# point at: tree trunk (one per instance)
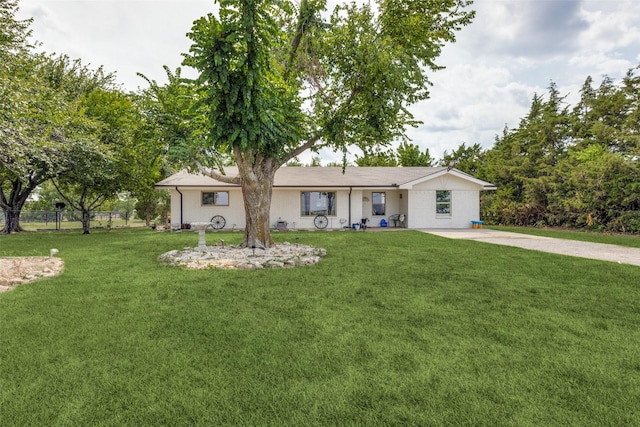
(11, 221)
(257, 185)
(12, 206)
(86, 221)
(149, 212)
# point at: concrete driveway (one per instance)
(599, 251)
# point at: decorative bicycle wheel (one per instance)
(218, 222)
(320, 221)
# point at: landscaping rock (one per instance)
(228, 257)
(18, 270)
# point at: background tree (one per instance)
(467, 159)
(172, 127)
(527, 158)
(377, 158)
(295, 162)
(15, 66)
(337, 164)
(601, 171)
(315, 162)
(14, 35)
(42, 115)
(577, 168)
(406, 154)
(358, 71)
(156, 206)
(94, 181)
(39, 133)
(409, 154)
(631, 125)
(44, 198)
(61, 120)
(96, 163)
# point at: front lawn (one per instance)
(399, 328)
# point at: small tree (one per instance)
(410, 155)
(95, 181)
(377, 158)
(467, 159)
(99, 165)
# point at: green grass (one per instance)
(389, 329)
(632, 241)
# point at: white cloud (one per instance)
(124, 37)
(534, 29)
(512, 50)
(611, 29)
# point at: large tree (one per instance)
(281, 78)
(13, 34)
(46, 124)
(15, 63)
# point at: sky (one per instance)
(513, 50)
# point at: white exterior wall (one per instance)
(465, 204)
(404, 207)
(174, 220)
(193, 211)
(285, 206)
(418, 204)
(393, 206)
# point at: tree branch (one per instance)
(295, 43)
(97, 202)
(301, 149)
(65, 198)
(237, 180)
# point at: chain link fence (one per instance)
(59, 220)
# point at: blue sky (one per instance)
(512, 50)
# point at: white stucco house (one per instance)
(410, 197)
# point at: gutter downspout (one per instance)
(180, 205)
(349, 223)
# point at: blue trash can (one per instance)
(383, 222)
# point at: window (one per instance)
(217, 198)
(314, 203)
(378, 205)
(443, 202)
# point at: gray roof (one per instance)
(319, 177)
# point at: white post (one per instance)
(202, 244)
(201, 227)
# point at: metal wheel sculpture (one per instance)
(218, 222)
(321, 222)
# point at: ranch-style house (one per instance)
(325, 197)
